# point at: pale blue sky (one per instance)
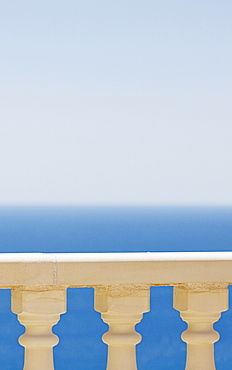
(116, 102)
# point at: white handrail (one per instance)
(115, 257)
(91, 269)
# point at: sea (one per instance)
(103, 229)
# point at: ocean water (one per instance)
(113, 229)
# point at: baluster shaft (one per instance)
(38, 311)
(122, 308)
(200, 306)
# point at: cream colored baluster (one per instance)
(122, 307)
(200, 305)
(38, 311)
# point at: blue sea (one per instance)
(113, 229)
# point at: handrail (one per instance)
(90, 269)
(116, 256)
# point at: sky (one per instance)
(116, 102)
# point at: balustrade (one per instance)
(122, 295)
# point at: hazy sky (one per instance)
(116, 102)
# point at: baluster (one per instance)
(200, 305)
(38, 311)
(121, 307)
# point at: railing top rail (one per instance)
(114, 257)
(91, 269)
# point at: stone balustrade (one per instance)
(122, 284)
